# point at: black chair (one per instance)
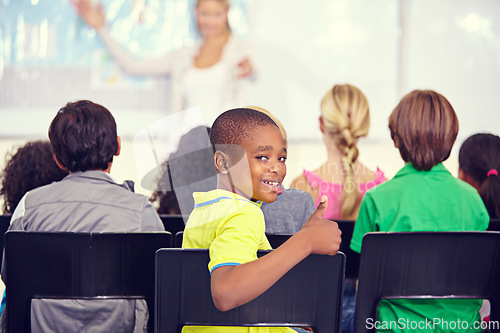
(277, 240)
(78, 265)
(178, 239)
(309, 295)
(494, 225)
(173, 223)
(427, 264)
(352, 258)
(4, 225)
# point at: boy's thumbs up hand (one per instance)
(321, 210)
(323, 235)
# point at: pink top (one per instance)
(333, 191)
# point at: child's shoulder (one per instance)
(225, 202)
(364, 174)
(465, 187)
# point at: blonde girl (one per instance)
(344, 119)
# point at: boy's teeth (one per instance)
(271, 183)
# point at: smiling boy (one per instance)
(250, 158)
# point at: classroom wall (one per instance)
(385, 47)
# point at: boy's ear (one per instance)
(59, 164)
(461, 173)
(119, 145)
(466, 178)
(221, 162)
(395, 139)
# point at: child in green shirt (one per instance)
(423, 196)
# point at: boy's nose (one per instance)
(276, 167)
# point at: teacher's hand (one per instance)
(92, 14)
(245, 68)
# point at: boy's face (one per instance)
(259, 175)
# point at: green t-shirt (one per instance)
(422, 201)
(233, 229)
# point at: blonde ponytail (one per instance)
(345, 114)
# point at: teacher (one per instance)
(214, 74)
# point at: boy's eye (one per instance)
(282, 159)
(262, 158)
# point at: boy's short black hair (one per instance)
(83, 136)
(234, 126)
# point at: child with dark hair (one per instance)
(31, 166)
(84, 141)
(423, 196)
(83, 137)
(188, 169)
(479, 165)
(164, 197)
(250, 157)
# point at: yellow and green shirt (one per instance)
(233, 229)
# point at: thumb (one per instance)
(320, 211)
(243, 62)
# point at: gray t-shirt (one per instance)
(288, 213)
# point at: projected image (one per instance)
(49, 33)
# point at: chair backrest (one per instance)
(436, 264)
(310, 294)
(173, 223)
(178, 239)
(277, 240)
(494, 225)
(77, 265)
(4, 225)
(352, 258)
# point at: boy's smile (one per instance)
(259, 176)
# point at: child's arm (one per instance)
(233, 286)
